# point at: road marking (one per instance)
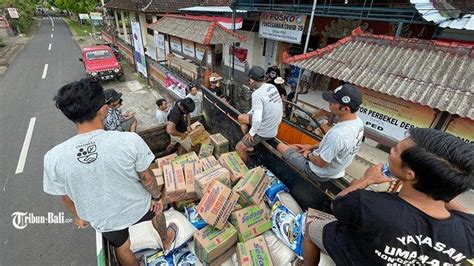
(52, 22)
(26, 146)
(49, 47)
(51, 35)
(52, 29)
(45, 70)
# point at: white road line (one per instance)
(51, 35)
(45, 70)
(52, 29)
(49, 47)
(26, 146)
(52, 22)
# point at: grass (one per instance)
(2, 44)
(79, 29)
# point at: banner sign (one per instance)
(200, 50)
(176, 44)
(12, 12)
(84, 16)
(188, 48)
(282, 27)
(392, 116)
(139, 56)
(96, 15)
(160, 41)
(462, 128)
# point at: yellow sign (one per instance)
(392, 116)
(462, 128)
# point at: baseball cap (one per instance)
(111, 95)
(257, 73)
(279, 80)
(347, 95)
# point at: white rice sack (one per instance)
(280, 253)
(289, 202)
(144, 235)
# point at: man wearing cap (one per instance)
(214, 85)
(178, 120)
(115, 119)
(265, 115)
(329, 159)
(272, 73)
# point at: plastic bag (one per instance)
(274, 188)
(288, 227)
(289, 202)
(194, 217)
(280, 253)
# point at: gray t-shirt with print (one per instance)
(98, 171)
(267, 98)
(338, 148)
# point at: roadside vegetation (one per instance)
(26, 10)
(79, 29)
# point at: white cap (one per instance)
(279, 80)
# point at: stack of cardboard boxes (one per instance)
(233, 213)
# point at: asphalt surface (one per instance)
(25, 95)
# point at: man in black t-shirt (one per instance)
(178, 120)
(422, 224)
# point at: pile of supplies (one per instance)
(226, 213)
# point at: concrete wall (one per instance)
(254, 46)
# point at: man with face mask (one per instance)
(329, 159)
(265, 115)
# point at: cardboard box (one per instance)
(208, 162)
(185, 158)
(201, 138)
(175, 183)
(314, 215)
(206, 150)
(213, 246)
(221, 144)
(217, 204)
(251, 221)
(252, 186)
(159, 177)
(254, 252)
(235, 165)
(190, 171)
(203, 179)
(164, 161)
(198, 133)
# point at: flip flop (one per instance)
(173, 227)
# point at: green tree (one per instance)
(26, 10)
(76, 7)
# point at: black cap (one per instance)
(188, 104)
(111, 95)
(347, 95)
(257, 73)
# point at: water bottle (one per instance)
(386, 170)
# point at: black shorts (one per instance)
(118, 238)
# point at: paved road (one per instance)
(25, 94)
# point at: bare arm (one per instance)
(373, 175)
(171, 129)
(316, 160)
(70, 205)
(148, 181)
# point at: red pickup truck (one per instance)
(100, 63)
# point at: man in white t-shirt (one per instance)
(329, 159)
(161, 114)
(104, 177)
(265, 115)
(196, 94)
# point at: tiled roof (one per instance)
(445, 16)
(151, 6)
(203, 30)
(433, 73)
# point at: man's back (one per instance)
(381, 228)
(98, 171)
(267, 99)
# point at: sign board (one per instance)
(391, 116)
(84, 16)
(462, 128)
(175, 44)
(200, 50)
(96, 15)
(160, 41)
(282, 27)
(13, 13)
(188, 48)
(139, 55)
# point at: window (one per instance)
(150, 31)
(148, 19)
(99, 54)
